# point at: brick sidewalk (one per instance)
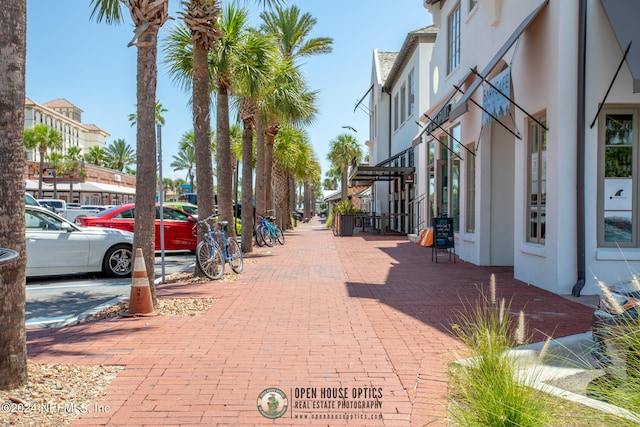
(362, 314)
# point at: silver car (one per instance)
(56, 246)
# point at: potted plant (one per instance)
(345, 218)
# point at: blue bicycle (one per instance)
(216, 250)
(267, 233)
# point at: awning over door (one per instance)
(623, 17)
(366, 175)
(461, 106)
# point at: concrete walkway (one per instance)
(344, 330)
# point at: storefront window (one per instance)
(537, 182)
(618, 156)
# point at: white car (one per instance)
(56, 246)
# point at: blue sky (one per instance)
(90, 65)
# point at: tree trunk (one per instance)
(223, 151)
(261, 198)
(13, 348)
(145, 212)
(247, 187)
(344, 188)
(307, 199)
(281, 195)
(202, 135)
(268, 173)
(42, 155)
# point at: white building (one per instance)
(66, 118)
(396, 99)
(549, 184)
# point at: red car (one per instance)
(178, 225)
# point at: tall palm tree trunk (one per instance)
(223, 151)
(281, 195)
(268, 172)
(145, 211)
(13, 348)
(261, 198)
(307, 199)
(201, 134)
(247, 187)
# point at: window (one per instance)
(449, 177)
(470, 190)
(618, 159)
(537, 181)
(412, 93)
(453, 57)
(403, 103)
(395, 112)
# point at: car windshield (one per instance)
(38, 220)
(106, 211)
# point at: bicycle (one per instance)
(216, 250)
(268, 232)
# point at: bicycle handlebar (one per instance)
(210, 217)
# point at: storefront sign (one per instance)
(492, 100)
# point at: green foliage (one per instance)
(620, 385)
(344, 207)
(485, 391)
(329, 221)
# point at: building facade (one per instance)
(528, 138)
(100, 186)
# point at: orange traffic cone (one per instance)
(140, 301)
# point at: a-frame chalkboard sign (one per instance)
(443, 239)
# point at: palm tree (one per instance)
(160, 110)
(333, 175)
(343, 150)
(186, 157)
(148, 16)
(293, 158)
(290, 31)
(13, 348)
(119, 155)
(95, 156)
(42, 138)
(287, 102)
(73, 167)
(55, 164)
(258, 53)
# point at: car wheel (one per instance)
(118, 261)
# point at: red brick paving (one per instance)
(320, 312)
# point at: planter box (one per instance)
(345, 224)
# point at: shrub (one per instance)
(484, 388)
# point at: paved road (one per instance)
(54, 303)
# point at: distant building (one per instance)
(100, 185)
(66, 118)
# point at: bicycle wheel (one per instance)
(268, 236)
(279, 235)
(209, 260)
(257, 233)
(234, 255)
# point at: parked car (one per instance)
(617, 311)
(56, 246)
(66, 210)
(30, 200)
(189, 208)
(178, 225)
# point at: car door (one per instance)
(178, 230)
(52, 248)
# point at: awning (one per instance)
(440, 107)
(623, 17)
(461, 106)
(366, 175)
